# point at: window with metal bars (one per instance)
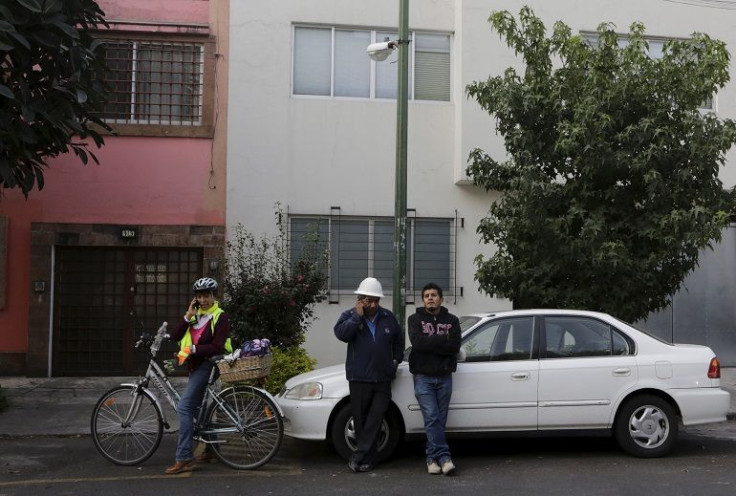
(155, 83)
(360, 247)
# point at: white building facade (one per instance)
(312, 126)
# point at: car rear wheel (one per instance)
(344, 440)
(646, 426)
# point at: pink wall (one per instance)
(139, 181)
(160, 10)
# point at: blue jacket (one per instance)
(369, 359)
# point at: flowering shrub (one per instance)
(266, 294)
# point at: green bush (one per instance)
(267, 294)
(286, 364)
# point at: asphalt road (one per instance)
(703, 463)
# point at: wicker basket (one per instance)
(245, 368)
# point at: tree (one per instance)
(51, 82)
(610, 186)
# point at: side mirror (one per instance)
(460, 355)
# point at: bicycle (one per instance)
(243, 425)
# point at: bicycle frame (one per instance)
(243, 424)
(160, 379)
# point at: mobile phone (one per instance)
(195, 305)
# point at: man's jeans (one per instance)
(433, 394)
(188, 407)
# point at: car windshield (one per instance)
(467, 321)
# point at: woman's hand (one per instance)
(192, 310)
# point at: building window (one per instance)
(333, 62)
(360, 247)
(159, 87)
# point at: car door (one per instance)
(585, 366)
(495, 386)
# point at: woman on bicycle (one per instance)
(203, 332)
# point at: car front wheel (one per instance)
(646, 426)
(344, 440)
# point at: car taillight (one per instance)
(714, 370)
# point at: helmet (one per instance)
(205, 284)
(370, 287)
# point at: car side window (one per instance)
(507, 339)
(582, 337)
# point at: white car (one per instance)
(536, 371)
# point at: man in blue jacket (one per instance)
(375, 348)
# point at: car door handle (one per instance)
(622, 372)
(520, 376)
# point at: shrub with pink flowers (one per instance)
(267, 295)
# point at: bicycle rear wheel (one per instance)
(126, 426)
(249, 433)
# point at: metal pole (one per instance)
(399, 282)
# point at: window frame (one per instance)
(205, 129)
(508, 327)
(374, 66)
(336, 223)
(576, 352)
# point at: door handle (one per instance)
(622, 372)
(520, 376)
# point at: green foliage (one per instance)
(610, 188)
(266, 294)
(286, 364)
(51, 83)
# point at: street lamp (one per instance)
(379, 52)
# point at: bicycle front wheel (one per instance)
(246, 432)
(126, 426)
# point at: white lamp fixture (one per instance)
(380, 51)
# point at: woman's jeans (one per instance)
(188, 408)
(433, 395)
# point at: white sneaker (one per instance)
(433, 468)
(447, 467)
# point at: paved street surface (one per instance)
(594, 466)
(45, 448)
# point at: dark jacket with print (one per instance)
(435, 340)
(369, 359)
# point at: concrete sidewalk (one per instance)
(62, 406)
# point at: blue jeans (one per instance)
(187, 408)
(433, 395)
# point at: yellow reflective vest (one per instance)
(186, 341)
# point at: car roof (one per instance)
(536, 311)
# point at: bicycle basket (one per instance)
(251, 367)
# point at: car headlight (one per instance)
(306, 391)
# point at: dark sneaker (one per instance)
(354, 466)
(365, 467)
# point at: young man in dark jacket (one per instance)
(435, 339)
(375, 348)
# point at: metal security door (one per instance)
(106, 297)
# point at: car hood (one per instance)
(334, 383)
